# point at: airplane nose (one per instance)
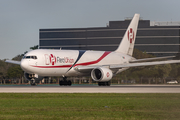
(24, 65)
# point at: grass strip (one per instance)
(78, 106)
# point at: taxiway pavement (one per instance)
(90, 89)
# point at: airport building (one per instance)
(157, 38)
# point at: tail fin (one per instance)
(127, 43)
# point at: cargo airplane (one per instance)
(100, 65)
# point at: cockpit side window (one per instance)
(30, 57)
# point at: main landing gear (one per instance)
(65, 82)
(104, 83)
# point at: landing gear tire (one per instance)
(104, 83)
(65, 82)
(69, 83)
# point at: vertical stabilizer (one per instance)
(127, 43)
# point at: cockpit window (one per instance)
(33, 57)
(30, 57)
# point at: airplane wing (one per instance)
(127, 65)
(13, 62)
(144, 64)
(150, 59)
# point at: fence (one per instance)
(88, 80)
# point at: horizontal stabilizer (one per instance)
(13, 62)
(150, 59)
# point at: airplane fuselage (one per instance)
(62, 62)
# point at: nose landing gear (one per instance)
(33, 82)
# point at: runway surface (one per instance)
(90, 89)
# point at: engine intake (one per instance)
(101, 74)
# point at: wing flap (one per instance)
(13, 62)
(83, 68)
(88, 68)
(143, 64)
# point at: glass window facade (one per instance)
(156, 40)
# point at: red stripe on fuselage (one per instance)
(83, 64)
(63, 66)
(96, 61)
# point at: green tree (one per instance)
(34, 48)
(139, 54)
(15, 72)
(3, 69)
(164, 71)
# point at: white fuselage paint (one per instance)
(63, 62)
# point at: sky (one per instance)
(20, 20)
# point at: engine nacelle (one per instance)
(32, 76)
(101, 74)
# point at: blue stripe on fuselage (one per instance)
(81, 52)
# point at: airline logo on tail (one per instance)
(130, 35)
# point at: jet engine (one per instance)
(32, 77)
(101, 74)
